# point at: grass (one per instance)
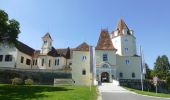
(149, 93)
(46, 92)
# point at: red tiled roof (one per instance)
(25, 49)
(82, 47)
(104, 42)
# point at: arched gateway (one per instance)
(105, 77)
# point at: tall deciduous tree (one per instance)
(162, 67)
(9, 29)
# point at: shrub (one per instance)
(168, 81)
(16, 81)
(29, 82)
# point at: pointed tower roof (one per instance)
(104, 42)
(121, 25)
(83, 47)
(47, 35)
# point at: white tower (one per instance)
(124, 40)
(47, 43)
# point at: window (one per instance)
(28, 61)
(133, 75)
(105, 58)
(22, 59)
(1, 57)
(105, 66)
(70, 63)
(45, 42)
(84, 72)
(127, 61)
(49, 64)
(83, 58)
(58, 61)
(126, 40)
(42, 62)
(126, 49)
(33, 62)
(55, 62)
(36, 62)
(120, 74)
(8, 58)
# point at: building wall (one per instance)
(78, 66)
(125, 41)
(8, 51)
(23, 65)
(99, 57)
(62, 62)
(128, 69)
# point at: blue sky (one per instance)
(70, 22)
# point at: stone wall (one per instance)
(39, 76)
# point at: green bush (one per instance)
(29, 82)
(168, 81)
(16, 81)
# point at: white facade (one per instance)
(115, 57)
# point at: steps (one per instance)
(63, 82)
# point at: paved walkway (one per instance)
(112, 91)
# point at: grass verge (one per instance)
(47, 92)
(149, 93)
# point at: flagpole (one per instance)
(141, 68)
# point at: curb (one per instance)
(99, 94)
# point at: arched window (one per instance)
(120, 74)
(133, 75)
(127, 61)
(105, 66)
(42, 62)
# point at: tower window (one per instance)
(127, 61)
(45, 42)
(83, 58)
(1, 57)
(8, 58)
(84, 72)
(126, 40)
(126, 50)
(105, 57)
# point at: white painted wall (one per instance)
(128, 69)
(125, 41)
(78, 66)
(8, 51)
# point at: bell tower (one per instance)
(124, 40)
(47, 43)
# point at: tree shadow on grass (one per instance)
(9, 92)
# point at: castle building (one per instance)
(115, 57)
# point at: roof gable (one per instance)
(83, 47)
(47, 35)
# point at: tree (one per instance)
(148, 72)
(162, 67)
(9, 29)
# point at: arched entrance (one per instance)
(104, 77)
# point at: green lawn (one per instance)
(47, 92)
(148, 93)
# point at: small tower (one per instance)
(47, 43)
(124, 40)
